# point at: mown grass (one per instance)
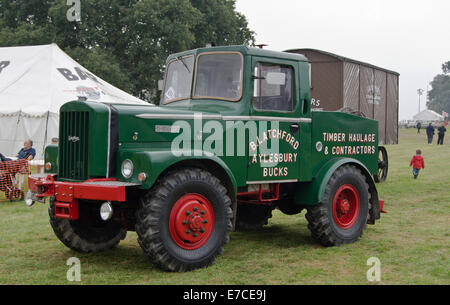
(411, 241)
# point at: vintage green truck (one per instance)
(234, 137)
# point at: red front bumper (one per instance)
(67, 194)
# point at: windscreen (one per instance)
(219, 76)
(178, 79)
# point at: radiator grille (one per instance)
(73, 153)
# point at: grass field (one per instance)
(411, 241)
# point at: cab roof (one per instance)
(245, 50)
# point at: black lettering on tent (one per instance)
(3, 65)
(92, 77)
(81, 74)
(68, 74)
(85, 75)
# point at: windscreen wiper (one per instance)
(182, 61)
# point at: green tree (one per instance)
(125, 42)
(221, 24)
(103, 64)
(439, 95)
(156, 28)
(446, 67)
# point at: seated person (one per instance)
(27, 152)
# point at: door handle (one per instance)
(294, 128)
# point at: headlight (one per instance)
(127, 168)
(29, 198)
(106, 211)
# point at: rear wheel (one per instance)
(89, 233)
(183, 223)
(342, 215)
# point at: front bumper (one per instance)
(67, 194)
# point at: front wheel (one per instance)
(184, 222)
(342, 215)
(89, 233)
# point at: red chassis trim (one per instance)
(68, 193)
(261, 196)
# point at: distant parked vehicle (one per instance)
(411, 124)
(403, 124)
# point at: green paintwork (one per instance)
(344, 124)
(147, 141)
(51, 155)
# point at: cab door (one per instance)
(274, 150)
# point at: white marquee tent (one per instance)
(35, 81)
(428, 115)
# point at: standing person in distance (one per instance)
(419, 125)
(430, 133)
(441, 134)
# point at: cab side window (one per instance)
(273, 88)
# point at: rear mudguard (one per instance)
(312, 193)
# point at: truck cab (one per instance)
(232, 139)
(260, 101)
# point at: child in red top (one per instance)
(417, 162)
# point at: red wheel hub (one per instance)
(346, 205)
(191, 221)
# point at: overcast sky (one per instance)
(410, 37)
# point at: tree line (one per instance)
(439, 95)
(125, 42)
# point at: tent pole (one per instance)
(46, 130)
(15, 132)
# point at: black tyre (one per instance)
(252, 216)
(383, 165)
(184, 222)
(89, 233)
(342, 215)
